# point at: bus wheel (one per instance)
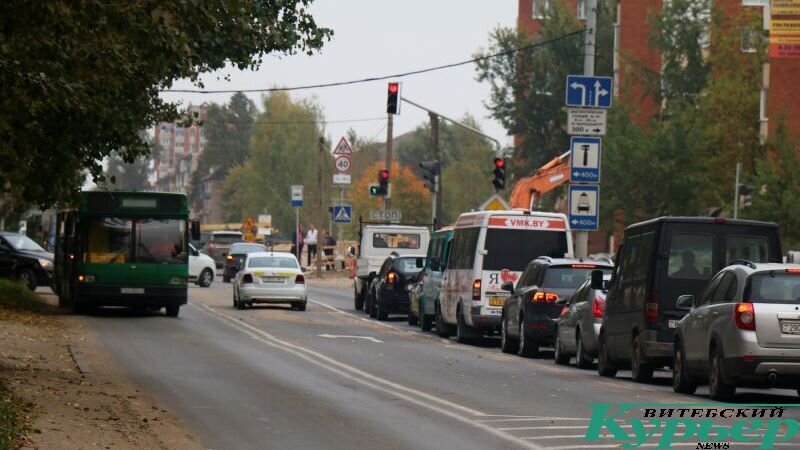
(172, 311)
(27, 277)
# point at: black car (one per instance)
(531, 311)
(236, 256)
(389, 290)
(23, 259)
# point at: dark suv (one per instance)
(236, 256)
(23, 259)
(531, 311)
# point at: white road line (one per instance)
(410, 395)
(365, 319)
(537, 419)
(564, 427)
(342, 336)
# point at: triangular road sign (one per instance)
(343, 147)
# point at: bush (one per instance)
(15, 296)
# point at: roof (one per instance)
(571, 261)
(705, 220)
(254, 254)
(481, 218)
(762, 267)
(396, 227)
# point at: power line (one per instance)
(383, 77)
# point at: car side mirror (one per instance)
(195, 228)
(508, 286)
(597, 280)
(373, 274)
(420, 263)
(685, 302)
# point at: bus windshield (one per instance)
(160, 240)
(110, 240)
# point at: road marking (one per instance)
(410, 395)
(368, 320)
(337, 336)
(564, 427)
(537, 419)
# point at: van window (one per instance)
(464, 244)
(751, 248)
(567, 277)
(691, 256)
(395, 240)
(514, 249)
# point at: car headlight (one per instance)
(45, 263)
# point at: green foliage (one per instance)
(281, 155)
(127, 176)
(80, 79)
(13, 426)
(14, 296)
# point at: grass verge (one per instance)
(14, 420)
(17, 302)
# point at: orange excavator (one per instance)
(545, 179)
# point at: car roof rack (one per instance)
(742, 262)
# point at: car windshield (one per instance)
(407, 266)
(773, 287)
(226, 238)
(247, 248)
(273, 262)
(568, 277)
(514, 249)
(22, 242)
(395, 240)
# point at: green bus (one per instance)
(120, 248)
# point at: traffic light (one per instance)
(382, 187)
(745, 195)
(431, 170)
(499, 181)
(393, 98)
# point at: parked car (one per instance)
(388, 293)
(531, 310)
(425, 294)
(490, 249)
(236, 256)
(219, 243)
(202, 268)
(659, 260)
(579, 325)
(270, 277)
(23, 259)
(743, 329)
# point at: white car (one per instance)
(270, 277)
(202, 268)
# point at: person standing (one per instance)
(329, 241)
(311, 241)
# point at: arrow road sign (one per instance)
(342, 214)
(586, 121)
(590, 92)
(343, 148)
(585, 159)
(584, 203)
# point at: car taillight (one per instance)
(564, 311)
(391, 278)
(476, 290)
(651, 308)
(598, 307)
(745, 316)
(247, 278)
(230, 259)
(544, 297)
(210, 248)
(299, 279)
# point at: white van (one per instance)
(488, 249)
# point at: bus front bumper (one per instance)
(146, 296)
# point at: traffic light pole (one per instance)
(387, 202)
(321, 205)
(582, 237)
(736, 192)
(437, 187)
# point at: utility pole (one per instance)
(590, 33)
(321, 204)
(387, 201)
(437, 192)
(736, 192)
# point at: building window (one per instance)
(581, 9)
(751, 40)
(540, 8)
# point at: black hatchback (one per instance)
(389, 290)
(23, 259)
(236, 256)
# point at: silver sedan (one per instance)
(579, 325)
(270, 277)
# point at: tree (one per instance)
(78, 80)
(127, 176)
(409, 194)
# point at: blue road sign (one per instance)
(589, 92)
(584, 203)
(585, 159)
(342, 214)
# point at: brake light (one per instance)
(229, 258)
(583, 266)
(247, 278)
(792, 270)
(564, 311)
(544, 297)
(299, 279)
(391, 278)
(719, 220)
(745, 316)
(476, 290)
(598, 307)
(651, 308)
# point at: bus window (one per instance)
(108, 241)
(161, 241)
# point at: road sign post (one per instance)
(297, 203)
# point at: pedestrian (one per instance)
(311, 241)
(329, 242)
(297, 243)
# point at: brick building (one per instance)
(179, 149)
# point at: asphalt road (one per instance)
(330, 378)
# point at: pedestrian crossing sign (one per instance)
(342, 214)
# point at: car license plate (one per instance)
(672, 324)
(496, 301)
(128, 290)
(494, 312)
(273, 279)
(790, 327)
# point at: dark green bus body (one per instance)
(122, 248)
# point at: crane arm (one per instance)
(545, 179)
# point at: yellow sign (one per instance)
(785, 7)
(784, 40)
(494, 203)
(784, 27)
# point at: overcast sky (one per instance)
(381, 37)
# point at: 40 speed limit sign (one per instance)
(343, 164)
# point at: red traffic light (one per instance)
(384, 175)
(394, 87)
(500, 163)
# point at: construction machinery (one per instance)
(548, 177)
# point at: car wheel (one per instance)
(717, 387)
(413, 320)
(206, 278)
(173, 310)
(561, 357)
(640, 371)
(358, 299)
(682, 382)
(27, 277)
(463, 334)
(605, 368)
(368, 304)
(583, 360)
(380, 313)
(442, 329)
(425, 321)
(528, 347)
(373, 306)
(507, 343)
(225, 278)
(300, 306)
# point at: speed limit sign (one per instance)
(343, 164)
